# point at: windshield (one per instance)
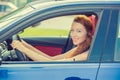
(14, 15)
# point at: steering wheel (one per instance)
(20, 55)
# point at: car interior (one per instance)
(50, 45)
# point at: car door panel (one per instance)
(110, 67)
(109, 71)
(56, 71)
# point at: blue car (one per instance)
(46, 26)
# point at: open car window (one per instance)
(50, 36)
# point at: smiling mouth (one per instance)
(75, 40)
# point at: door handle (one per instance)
(75, 78)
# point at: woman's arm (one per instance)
(34, 49)
(80, 57)
(34, 55)
(64, 55)
(57, 57)
(37, 55)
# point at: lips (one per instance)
(74, 39)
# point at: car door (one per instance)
(110, 65)
(81, 70)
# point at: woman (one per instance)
(81, 35)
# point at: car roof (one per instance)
(38, 4)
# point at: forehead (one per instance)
(77, 25)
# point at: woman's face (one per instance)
(78, 33)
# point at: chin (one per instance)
(75, 44)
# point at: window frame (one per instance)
(42, 15)
(109, 45)
(116, 58)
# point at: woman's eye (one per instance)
(75, 31)
(78, 30)
(71, 30)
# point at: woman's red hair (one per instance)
(85, 21)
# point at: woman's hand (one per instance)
(17, 45)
